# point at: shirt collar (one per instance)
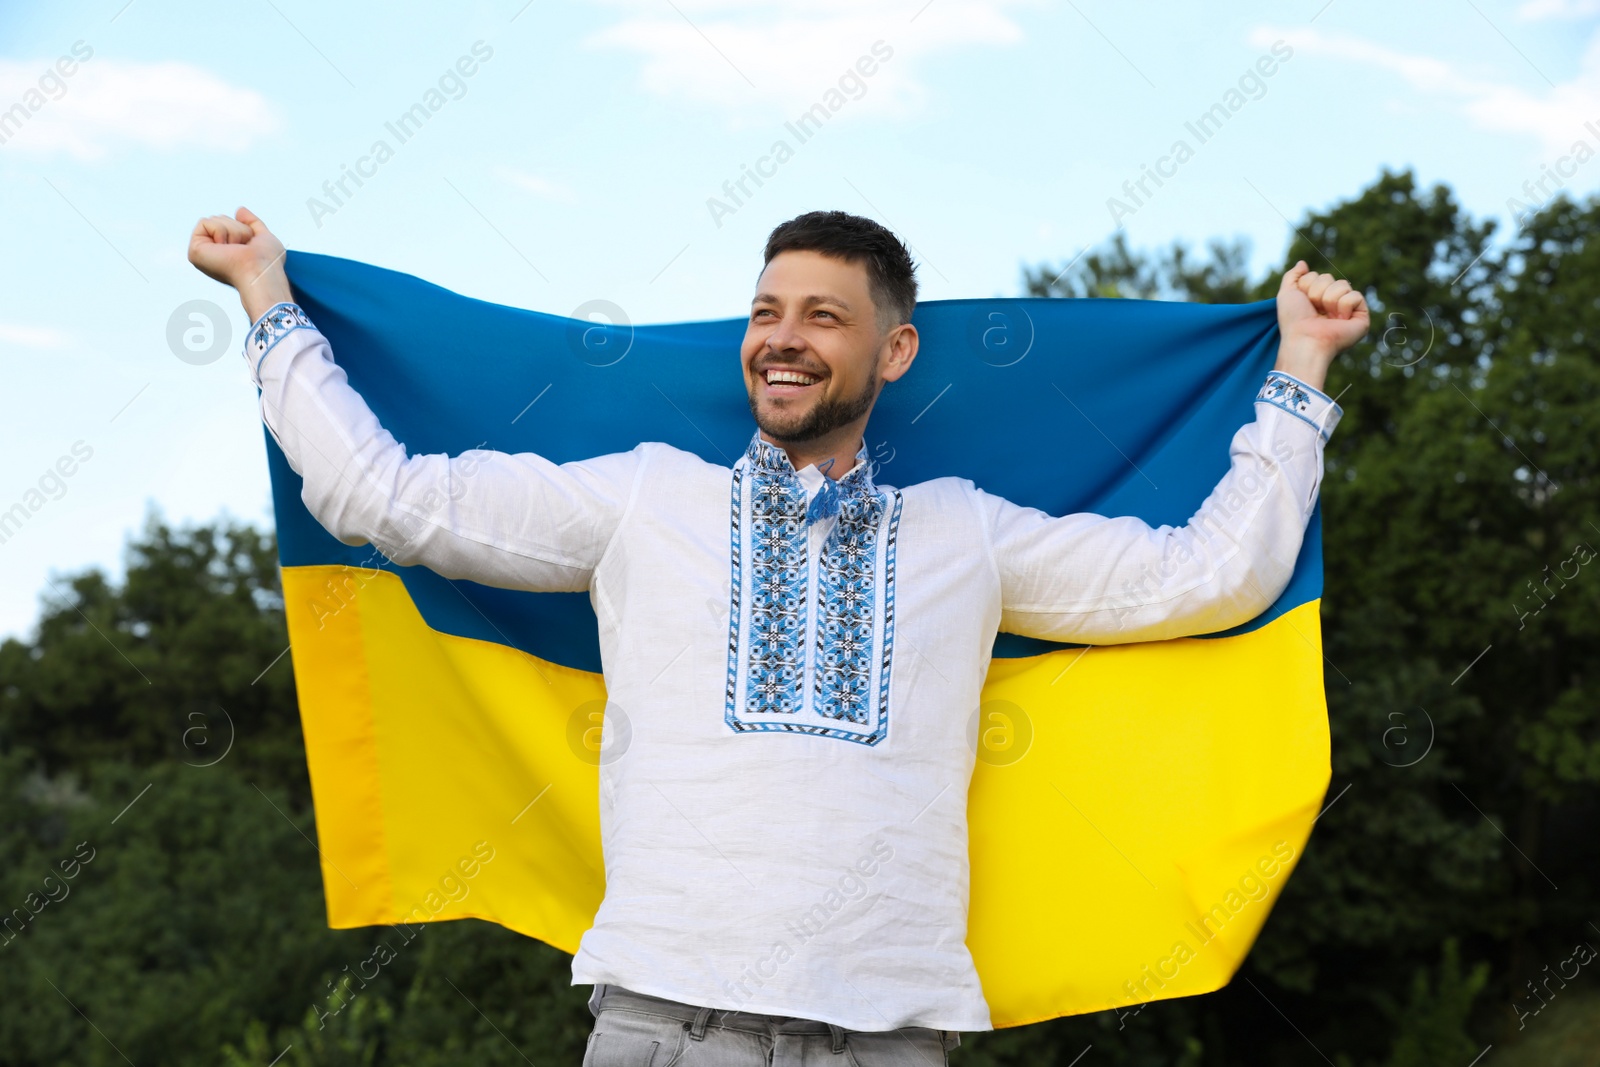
(771, 459)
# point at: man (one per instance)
(811, 740)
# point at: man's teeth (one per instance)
(775, 377)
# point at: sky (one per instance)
(592, 152)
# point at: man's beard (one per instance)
(824, 416)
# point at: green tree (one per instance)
(182, 661)
(1432, 1029)
(199, 921)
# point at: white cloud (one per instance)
(750, 56)
(31, 336)
(1539, 10)
(108, 104)
(532, 183)
(1556, 116)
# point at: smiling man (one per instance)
(821, 343)
(785, 838)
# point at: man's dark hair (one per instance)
(891, 276)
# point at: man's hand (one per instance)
(1319, 317)
(243, 253)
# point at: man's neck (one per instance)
(841, 449)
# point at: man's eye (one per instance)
(830, 314)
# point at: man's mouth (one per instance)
(782, 381)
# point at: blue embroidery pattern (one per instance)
(772, 550)
(1282, 391)
(279, 321)
(888, 618)
(845, 579)
(777, 596)
(733, 610)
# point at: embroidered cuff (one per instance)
(278, 322)
(1302, 401)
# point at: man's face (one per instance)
(812, 319)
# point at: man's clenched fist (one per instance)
(243, 253)
(1319, 317)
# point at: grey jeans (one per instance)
(635, 1030)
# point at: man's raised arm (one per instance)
(516, 521)
(1111, 580)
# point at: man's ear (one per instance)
(900, 349)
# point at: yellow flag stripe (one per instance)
(1134, 812)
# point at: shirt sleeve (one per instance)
(514, 521)
(1091, 579)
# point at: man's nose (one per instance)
(786, 336)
